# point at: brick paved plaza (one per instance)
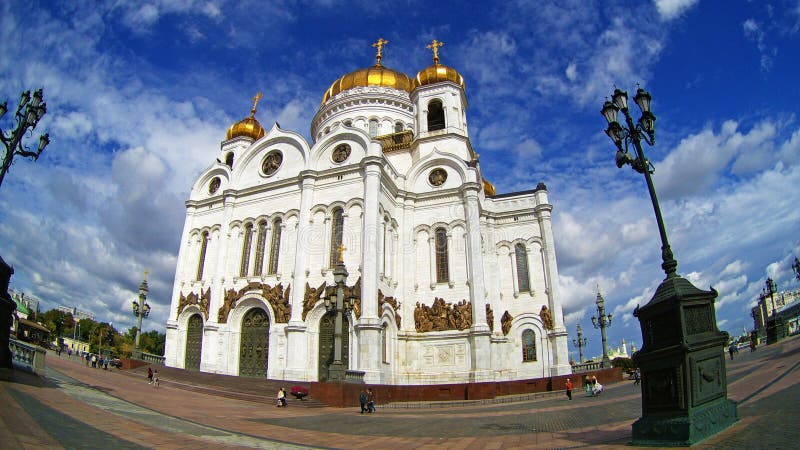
(74, 406)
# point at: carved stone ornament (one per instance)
(277, 297)
(393, 302)
(437, 177)
(311, 297)
(490, 317)
(340, 153)
(442, 316)
(202, 301)
(272, 162)
(213, 186)
(505, 323)
(547, 318)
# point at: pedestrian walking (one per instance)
(281, 398)
(155, 378)
(149, 375)
(370, 401)
(362, 398)
(732, 350)
(569, 388)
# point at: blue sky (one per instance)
(140, 94)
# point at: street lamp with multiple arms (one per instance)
(140, 309)
(338, 305)
(602, 321)
(580, 343)
(30, 111)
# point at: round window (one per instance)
(213, 186)
(340, 153)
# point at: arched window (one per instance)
(398, 127)
(248, 233)
(337, 235)
(528, 346)
(202, 260)
(262, 236)
(275, 247)
(373, 127)
(523, 281)
(435, 115)
(442, 270)
(229, 160)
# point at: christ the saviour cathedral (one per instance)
(448, 281)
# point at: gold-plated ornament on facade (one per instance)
(435, 47)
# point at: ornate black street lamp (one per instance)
(30, 111)
(602, 321)
(338, 305)
(769, 291)
(580, 343)
(140, 310)
(796, 268)
(684, 383)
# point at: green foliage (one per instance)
(625, 363)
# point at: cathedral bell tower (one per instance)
(439, 99)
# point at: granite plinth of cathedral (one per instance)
(391, 174)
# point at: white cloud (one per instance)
(671, 9)
(571, 72)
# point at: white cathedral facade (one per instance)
(450, 282)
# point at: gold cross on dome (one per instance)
(379, 45)
(340, 249)
(258, 97)
(145, 274)
(435, 47)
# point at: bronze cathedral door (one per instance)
(194, 343)
(254, 347)
(326, 326)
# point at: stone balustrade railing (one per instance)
(354, 376)
(27, 356)
(148, 357)
(588, 366)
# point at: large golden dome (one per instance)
(249, 126)
(376, 75)
(436, 74)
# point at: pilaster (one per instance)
(368, 326)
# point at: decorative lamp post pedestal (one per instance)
(776, 329)
(682, 361)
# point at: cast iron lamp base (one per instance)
(682, 361)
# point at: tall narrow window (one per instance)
(523, 281)
(435, 116)
(337, 235)
(275, 247)
(262, 236)
(248, 233)
(528, 346)
(373, 127)
(398, 127)
(442, 270)
(229, 160)
(202, 260)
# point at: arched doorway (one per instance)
(326, 349)
(254, 347)
(194, 343)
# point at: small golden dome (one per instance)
(488, 188)
(436, 74)
(249, 126)
(376, 75)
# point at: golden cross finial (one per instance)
(379, 45)
(435, 47)
(340, 249)
(255, 104)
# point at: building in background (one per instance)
(451, 281)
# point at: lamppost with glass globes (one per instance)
(684, 383)
(580, 343)
(602, 321)
(140, 310)
(27, 119)
(338, 305)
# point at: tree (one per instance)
(29, 112)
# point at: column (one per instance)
(512, 264)
(369, 327)
(480, 350)
(432, 247)
(380, 236)
(451, 273)
(297, 344)
(326, 246)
